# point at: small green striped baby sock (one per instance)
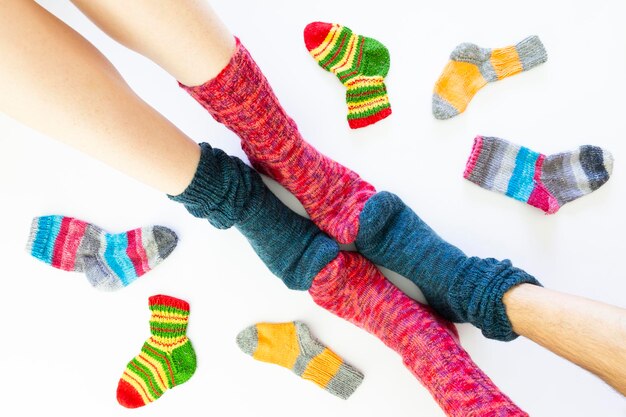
(291, 346)
(360, 63)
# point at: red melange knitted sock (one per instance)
(354, 289)
(241, 98)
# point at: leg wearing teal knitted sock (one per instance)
(227, 193)
(460, 288)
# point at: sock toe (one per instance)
(443, 110)
(315, 33)
(248, 339)
(597, 165)
(608, 162)
(166, 240)
(128, 396)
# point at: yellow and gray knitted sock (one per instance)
(291, 346)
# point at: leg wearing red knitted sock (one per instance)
(352, 288)
(241, 98)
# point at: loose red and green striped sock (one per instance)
(360, 63)
(166, 359)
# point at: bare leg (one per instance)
(589, 333)
(58, 83)
(191, 42)
(569, 327)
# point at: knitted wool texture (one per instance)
(545, 182)
(227, 193)
(241, 98)
(110, 261)
(471, 67)
(352, 288)
(460, 288)
(359, 62)
(166, 359)
(292, 346)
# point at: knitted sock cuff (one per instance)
(345, 382)
(239, 83)
(222, 189)
(531, 52)
(486, 160)
(486, 309)
(170, 316)
(41, 232)
(168, 304)
(225, 76)
(367, 101)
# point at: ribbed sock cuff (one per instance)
(168, 303)
(531, 52)
(367, 101)
(222, 189)
(345, 382)
(480, 300)
(42, 231)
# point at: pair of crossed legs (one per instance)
(95, 111)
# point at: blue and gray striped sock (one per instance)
(545, 182)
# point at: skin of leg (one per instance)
(589, 333)
(58, 83)
(185, 23)
(191, 42)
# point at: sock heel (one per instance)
(185, 361)
(469, 52)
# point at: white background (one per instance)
(64, 345)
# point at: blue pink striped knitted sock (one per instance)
(110, 261)
(545, 182)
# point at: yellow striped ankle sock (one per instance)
(291, 346)
(471, 67)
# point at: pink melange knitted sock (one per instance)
(354, 289)
(241, 98)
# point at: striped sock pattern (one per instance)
(292, 346)
(352, 288)
(471, 67)
(241, 98)
(359, 62)
(167, 358)
(110, 261)
(545, 182)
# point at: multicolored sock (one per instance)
(292, 346)
(360, 63)
(460, 288)
(472, 67)
(227, 193)
(167, 358)
(241, 98)
(545, 182)
(110, 261)
(352, 288)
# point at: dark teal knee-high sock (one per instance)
(227, 193)
(460, 288)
